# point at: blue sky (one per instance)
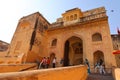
(12, 10)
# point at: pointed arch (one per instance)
(73, 51)
(75, 16)
(52, 56)
(71, 17)
(67, 18)
(98, 56)
(96, 37)
(54, 42)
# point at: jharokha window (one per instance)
(54, 42)
(75, 16)
(67, 18)
(71, 17)
(96, 37)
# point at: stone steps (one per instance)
(100, 77)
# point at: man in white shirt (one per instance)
(54, 62)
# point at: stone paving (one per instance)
(100, 77)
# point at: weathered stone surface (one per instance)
(100, 77)
(70, 73)
(76, 35)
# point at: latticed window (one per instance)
(54, 42)
(96, 37)
(115, 46)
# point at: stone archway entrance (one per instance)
(73, 51)
(52, 56)
(98, 55)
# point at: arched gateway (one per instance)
(74, 37)
(98, 56)
(73, 51)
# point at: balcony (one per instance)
(92, 17)
(81, 20)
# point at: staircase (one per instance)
(96, 76)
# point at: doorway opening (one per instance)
(73, 51)
(52, 56)
(98, 57)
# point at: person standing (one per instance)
(97, 66)
(54, 62)
(101, 62)
(88, 66)
(43, 63)
(48, 62)
(102, 69)
(62, 61)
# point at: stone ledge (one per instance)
(61, 73)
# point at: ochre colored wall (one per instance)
(2, 54)
(24, 41)
(83, 29)
(33, 57)
(67, 73)
(84, 32)
(116, 73)
(117, 57)
(16, 67)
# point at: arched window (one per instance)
(54, 42)
(98, 56)
(96, 37)
(75, 16)
(67, 18)
(52, 56)
(71, 17)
